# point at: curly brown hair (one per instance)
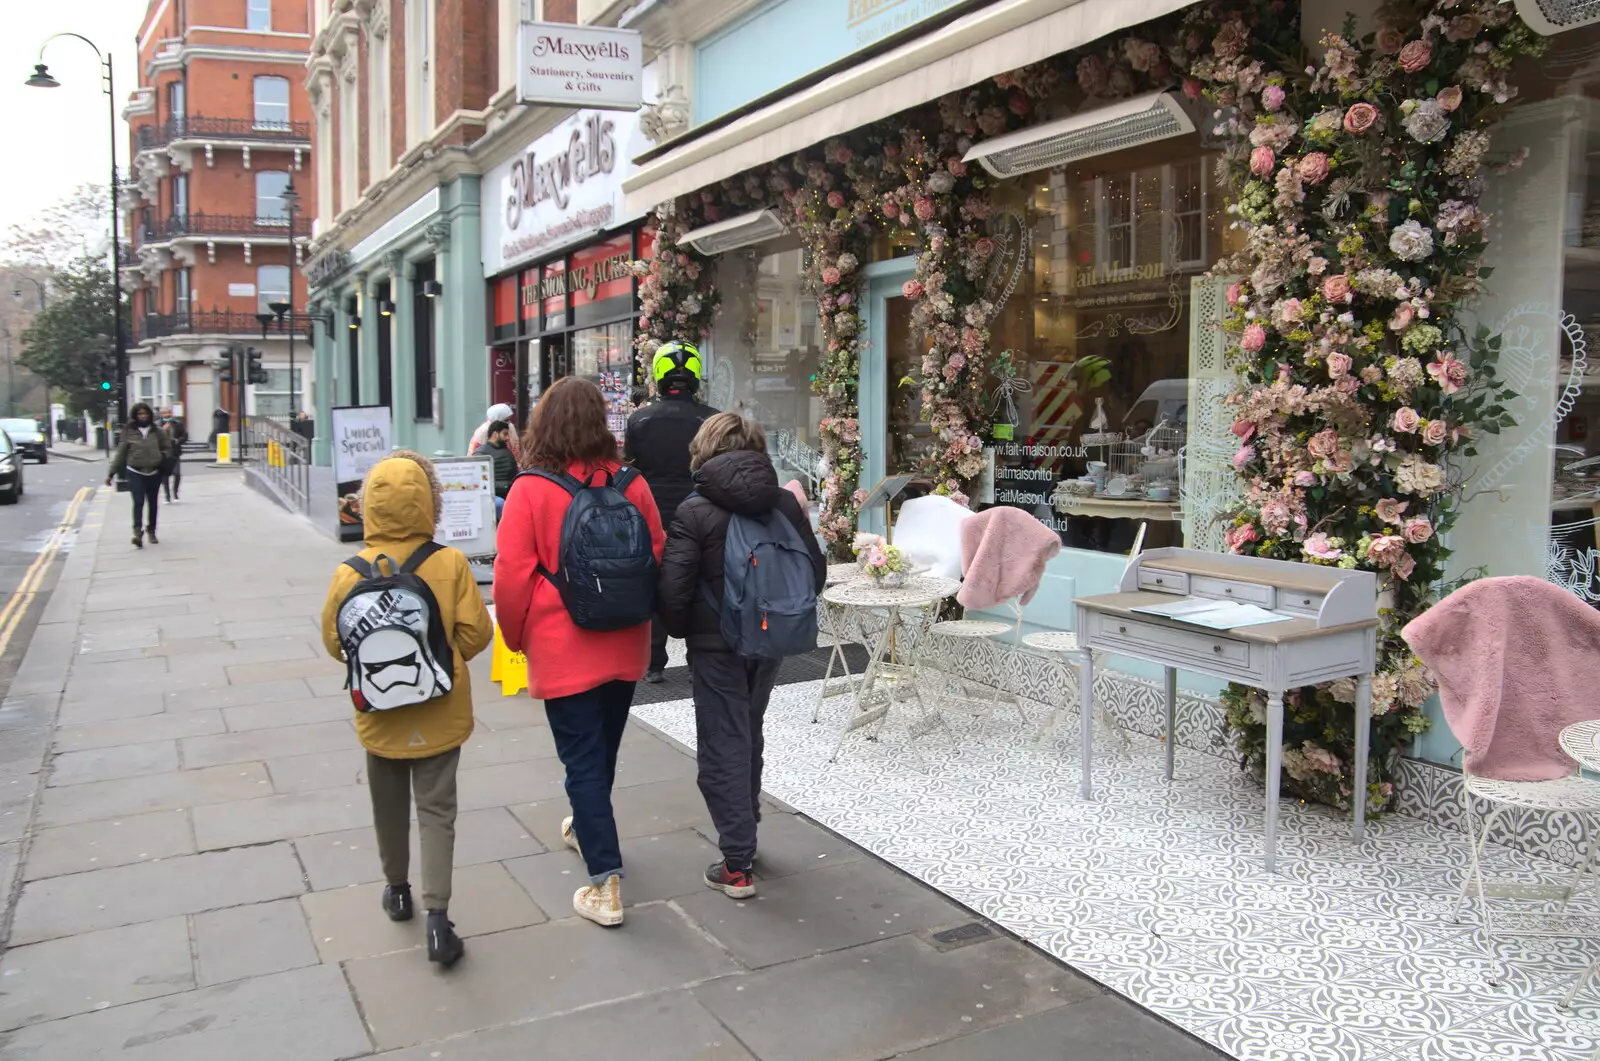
(568, 426)
(725, 433)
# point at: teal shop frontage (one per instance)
(405, 324)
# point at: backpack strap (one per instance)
(624, 478)
(360, 566)
(562, 479)
(420, 557)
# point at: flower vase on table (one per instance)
(883, 563)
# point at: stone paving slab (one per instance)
(114, 764)
(146, 891)
(95, 970)
(113, 842)
(245, 941)
(223, 825)
(662, 866)
(134, 795)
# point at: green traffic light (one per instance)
(105, 386)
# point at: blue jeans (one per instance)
(587, 728)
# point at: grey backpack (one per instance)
(769, 596)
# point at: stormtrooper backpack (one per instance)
(394, 641)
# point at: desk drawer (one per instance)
(1163, 581)
(1164, 641)
(1222, 589)
(1294, 602)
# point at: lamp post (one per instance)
(41, 79)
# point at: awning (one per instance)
(989, 41)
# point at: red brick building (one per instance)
(220, 125)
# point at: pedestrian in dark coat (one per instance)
(732, 474)
(172, 475)
(142, 452)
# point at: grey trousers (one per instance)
(392, 783)
(730, 702)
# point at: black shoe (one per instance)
(138, 539)
(444, 946)
(654, 677)
(397, 902)
(151, 534)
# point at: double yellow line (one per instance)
(11, 616)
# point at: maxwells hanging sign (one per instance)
(562, 189)
(580, 66)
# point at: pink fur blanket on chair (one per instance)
(1517, 661)
(1003, 554)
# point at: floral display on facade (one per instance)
(676, 297)
(1356, 178)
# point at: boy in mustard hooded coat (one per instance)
(416, 749)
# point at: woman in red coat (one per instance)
(585, 677)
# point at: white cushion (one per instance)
(928, 530)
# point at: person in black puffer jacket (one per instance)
(732, 474)
(657, 443)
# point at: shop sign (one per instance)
(580, 66)
(562, 189)
(362, 436)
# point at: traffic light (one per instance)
(257, 374)
(108, 372)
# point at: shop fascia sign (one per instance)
(565, 187)
(586, 278)
(565, 65)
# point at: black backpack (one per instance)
(607, 573)
(394, 641)
(769, 596)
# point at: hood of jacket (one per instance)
(741, 482)
(399, 502)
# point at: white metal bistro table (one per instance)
(1581, 740)
(830, 622)
(1323, 625)
(864, 593)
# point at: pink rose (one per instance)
(836, 199)
(1244, 430)
(1192, 87)
(1323, 444)
(1238, 538)
(1262, 160)
(1339, 364)
(1253, 339)
(1404, 314)
(1416, 56)
(1234, 291)
(1418, 530)
(1449, 373)
(984, 247)
(1341, 463)
(1386, 549)
(1019, 104)
(1449, 98)
(924, 209)
(891, 209)
(1359, 118)
(1318, 546)
(1244, 456)
(1305, 478)
(830, 276)
(1391, 509)
(1403, 565)
(955, 166)
(1336, 289)
(1272, 97)
(1390, 40)
(1371, 374)
(1434, 432)
(1406, 420)
(912, 289)
(1313, 169)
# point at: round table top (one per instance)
(1581, 740)
(838, 573)
(865, 593)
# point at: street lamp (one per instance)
(18, 292)
(41, 79)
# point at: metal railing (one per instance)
(202, 224)
(280, 456)
(213, 322)
(203, 127)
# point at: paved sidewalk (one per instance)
(183, 813)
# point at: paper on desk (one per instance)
(1213, 614)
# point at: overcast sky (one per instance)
(57, 138)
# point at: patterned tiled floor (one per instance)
(1156, 890)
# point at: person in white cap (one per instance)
(498, 411)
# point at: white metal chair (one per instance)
(1060, 647)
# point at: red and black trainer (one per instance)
(734, 883)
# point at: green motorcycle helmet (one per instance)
(678, 360)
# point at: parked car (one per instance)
(28, 437)
(10, 471)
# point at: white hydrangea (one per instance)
(1411, 241)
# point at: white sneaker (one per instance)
(569, 837)
(601, 903)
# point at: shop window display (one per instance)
(1088, 434)
(765, 350)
